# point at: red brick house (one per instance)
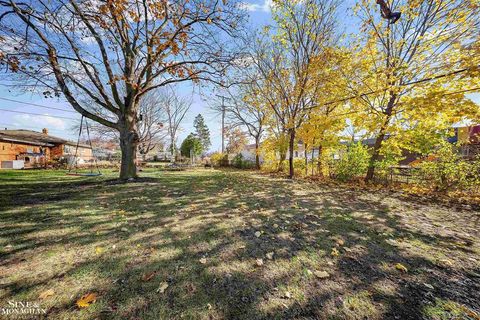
(35, 148)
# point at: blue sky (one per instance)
(259, 15)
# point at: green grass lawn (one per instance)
(209, 244)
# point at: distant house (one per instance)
(248, 153)
(468, 138)
(36, 148)
(160, 153)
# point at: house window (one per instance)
(27, 159)
(29, 150)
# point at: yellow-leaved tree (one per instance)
(285, 58)
(326, 119)
(411, 76)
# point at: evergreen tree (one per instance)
(190, 143)
(202, 132)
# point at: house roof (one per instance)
(34, 138)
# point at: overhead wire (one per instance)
(37, 105)
(38, 114)
(18, 127)
(402, 85)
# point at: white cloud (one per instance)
(39, 121)
(266, 6)
(243, 62)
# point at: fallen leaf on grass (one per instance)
(163, 286)
(86, 300)
(148, 276)
(334, 252)
(401, 267)
(269, 255)
(287, 295)
(429, 286)
(446, 262)
(46, 294)
(258, 234)
(259, 262)
(99, 250)
(321, 274)
(203, 260)
(191, 288)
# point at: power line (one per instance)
(443, 95)
(10, 125)
(38, 114)
(463, 91)
(444, 75)
(37, 105)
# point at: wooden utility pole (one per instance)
(223, 126)
(223, 121)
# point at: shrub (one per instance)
(239, 162)
(299, 166)
(447, 170)
(352, 163)
(219, 159)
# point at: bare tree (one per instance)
(176, 108)
(236, 140)
(151, 124)
(247, 111)
(115, 52)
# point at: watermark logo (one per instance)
(19, 308)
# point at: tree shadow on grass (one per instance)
(230, 220)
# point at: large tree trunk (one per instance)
(291, 171)
(128, 145)
(283, 156)
(257, 156)
(319, 161)
(313, 157)
(305, 152)
(375, 156)
(173, 152)
(379, 140)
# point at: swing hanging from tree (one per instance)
(74, 164)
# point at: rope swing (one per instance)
(75, 159)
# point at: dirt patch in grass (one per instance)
(210, 244)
